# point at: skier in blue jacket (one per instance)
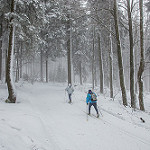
(91, 99)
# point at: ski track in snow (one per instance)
(67, 126)
(119, 128)
(46, 98)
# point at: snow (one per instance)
(43, 120)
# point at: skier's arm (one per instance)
(87, 99)
(72, 89)
(66, 89)
(95, 94)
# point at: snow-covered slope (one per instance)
(43, 120)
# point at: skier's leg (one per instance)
(90, 104)
(95, 106)
(70, 98)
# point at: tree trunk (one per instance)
(142, 63)
(95, 77)
(136, 55)
(17, 64)
(47, 66)
(80, 70)
(9, 69)
(132, 92)
(1, 30)
(136, 68)
(17, 69)
(93, 60)
(121, 73)
(111, 64)
(21, 46)
(41, 70)
(100, 66)
(6, 54)
(69, 50)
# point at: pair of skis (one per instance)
(92, 115)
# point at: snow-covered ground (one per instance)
(43, 120)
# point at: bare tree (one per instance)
(132, 91)
(142, 63)
(100, 65)
(111, 64)
(69, 48)
(120, 65)
(93, 59)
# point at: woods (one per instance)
(104, 43)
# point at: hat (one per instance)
(89, 91)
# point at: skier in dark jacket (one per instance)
(91, 99)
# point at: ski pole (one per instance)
(74, 96)
(65, 97)
(87, 112)
(100, 111)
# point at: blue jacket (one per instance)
(89, 97)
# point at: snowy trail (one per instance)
(68, 129)
(42, 120)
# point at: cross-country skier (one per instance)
(69, 90)
(91, 99)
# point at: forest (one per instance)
(101, 42)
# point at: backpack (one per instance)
(94, 98)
